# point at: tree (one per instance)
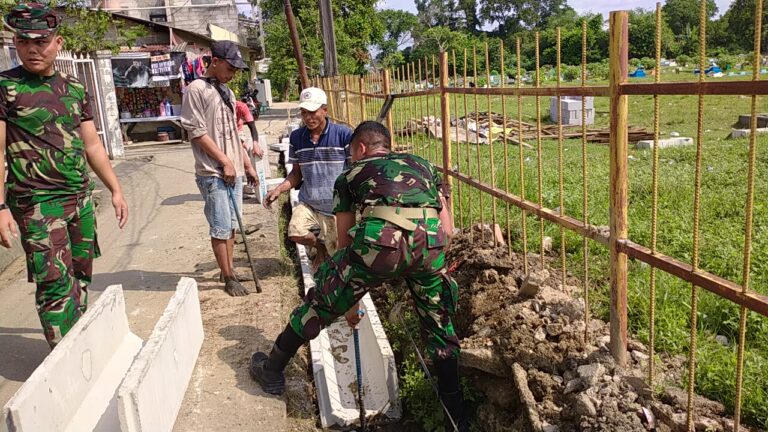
(739, 21)
(642, 35)
(400, 27)
(682, 16)
(512, 16)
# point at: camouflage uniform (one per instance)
(49, 190)
(382, 251)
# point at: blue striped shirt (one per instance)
(320, 163)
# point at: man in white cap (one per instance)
(319, 152)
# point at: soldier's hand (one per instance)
(270, 198)
(121, 209)
(7, 228)
(354, 315)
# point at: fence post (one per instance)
(445, 121)
(386, 88)
(104, 80)
(362, 98)
(618, 50)
(347, 112)
(328, 84)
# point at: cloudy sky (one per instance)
(602, 6)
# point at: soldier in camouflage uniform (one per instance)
(47, 135)
(405, 227)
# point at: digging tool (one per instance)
(358, 365)
(245, 240)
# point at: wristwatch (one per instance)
(4, 206)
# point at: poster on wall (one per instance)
(132, 70)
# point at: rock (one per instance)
(573, 385)
(554, 329)
(707, 425)
(540, 334)
(547, 244)
(639, 357)
(550, 428)
(490, 276)
(674, 134)
(728, 424)
(484, 332)
(533, 283)
(584, 406)
(634, 345)
(722, 340)
(679, 397)
(638, 384)
(591, 373)
(483, 359)
(489, 234)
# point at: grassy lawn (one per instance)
(723, 197)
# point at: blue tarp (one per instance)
(638, 73)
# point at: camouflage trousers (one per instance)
(381, 252)
(59, 239)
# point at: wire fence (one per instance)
(509, 169)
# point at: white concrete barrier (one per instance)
(334, 368)
(150, 397)
(665, 142)
(75, 387)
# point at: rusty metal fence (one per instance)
(438, 104)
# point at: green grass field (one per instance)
(723, 198)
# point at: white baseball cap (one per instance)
(312, 98)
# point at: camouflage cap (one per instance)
(32, 21)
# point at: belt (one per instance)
(400, 215)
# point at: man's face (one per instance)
(222, 70)
(38, 55)
(314, 119)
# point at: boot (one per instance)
(454, 403)
(267, 370)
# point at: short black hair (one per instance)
(373, 133)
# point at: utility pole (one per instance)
(261, 27)
(296, 45)
(329, 38)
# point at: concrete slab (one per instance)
(742, 133)
(75, 388)
(150, 397)
(664, 143)
(334, 368)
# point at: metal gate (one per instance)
(84, 69)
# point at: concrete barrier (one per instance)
(665, 142)
(333, 364)
(75, 388)
(150, 397)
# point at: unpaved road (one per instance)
(167, 238)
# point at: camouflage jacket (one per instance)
(394, 179)
(44, 149)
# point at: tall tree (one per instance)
(683, 15)
(642, 35)
(433, 13)
(512, 16)
(740, 24)
(400, 27)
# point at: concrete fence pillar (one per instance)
(113, 133)
(6, 45)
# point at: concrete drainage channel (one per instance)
(80, 386)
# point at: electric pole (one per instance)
(329, 38)
(296, 44)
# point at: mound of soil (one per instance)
(565, 383)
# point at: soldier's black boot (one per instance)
(267, 370)
(451, 395)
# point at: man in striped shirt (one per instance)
(319, 152)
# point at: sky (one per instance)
(581, 6)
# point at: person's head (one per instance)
(370, 138)
(35, 29)
(226, 60)
(313, 106)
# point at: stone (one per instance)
(547, 244)
(554, 329)
(591, 373)
(572, 386)
(550, 428)
(584, 406)
(639, 357)
(533, 283)
(674, 134)
(638, 384)
(707, 425)
(722, 340)
(490, 276)
(743, 133)
(540, 334)
(483, 359)
(665, 143)
(491, 234)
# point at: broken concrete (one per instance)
(743, 133)
(150, 397)
(77, 383)
(665, 143)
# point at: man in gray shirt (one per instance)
(208, 114)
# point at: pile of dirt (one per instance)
(512, 322)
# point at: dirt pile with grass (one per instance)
(531, 325)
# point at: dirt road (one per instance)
(165, 239)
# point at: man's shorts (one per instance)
(305, 217)
(219, 209)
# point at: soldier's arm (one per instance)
(99, 162)
(344, 221)
(7, 227)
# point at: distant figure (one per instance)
(137, 75)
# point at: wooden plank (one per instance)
(619, 108)
(695, 88)
(724, 288)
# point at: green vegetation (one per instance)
(721, 244)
